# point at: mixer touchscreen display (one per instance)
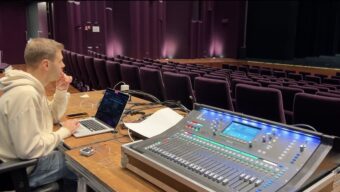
(241, 131)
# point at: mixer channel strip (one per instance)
(182, 152)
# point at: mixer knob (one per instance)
(250, 144)
(302, 148)
(263, 138)
(270, 136)
(274, 132)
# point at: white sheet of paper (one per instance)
(156, 124)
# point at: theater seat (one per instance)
(151, 82)
(260, 102)
(101, 72)
(178, 87)
(288, 94)
(321, 112)
(213, 92)
(130, 75)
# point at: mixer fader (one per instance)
(217, 150)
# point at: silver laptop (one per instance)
(107, 117)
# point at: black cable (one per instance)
(139, 110)
(176, 105)
(168, 103)
(137, 92)
(171, 104)
(305, 126)
(311, 128)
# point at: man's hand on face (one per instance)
(63, 82)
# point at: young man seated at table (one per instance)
(27, 116)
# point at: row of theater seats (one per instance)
(317, 78)
(283, 99)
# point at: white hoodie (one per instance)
(26, 117)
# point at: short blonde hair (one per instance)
(38, 49)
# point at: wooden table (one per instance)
(102, 171)
(88, 102)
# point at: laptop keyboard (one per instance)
(92, 125)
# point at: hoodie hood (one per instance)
(14, 78)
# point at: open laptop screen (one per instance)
(111, 107)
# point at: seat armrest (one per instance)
(15, 165)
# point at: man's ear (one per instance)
(45, 64)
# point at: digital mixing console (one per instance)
(217, 150)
